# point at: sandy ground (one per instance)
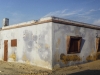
(11, 68)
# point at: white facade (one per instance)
(34, 44)
(42, 42)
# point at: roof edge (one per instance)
(52, 19)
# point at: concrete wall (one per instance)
(88, 46)
(34, 44)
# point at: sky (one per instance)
(87, 11)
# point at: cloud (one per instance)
(77, 15)
(64, 10)
(92, 10)
(81, 14)
(97, 22)
(70, 13)
(89, 11)
(63, 13)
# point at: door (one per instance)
(5, 50)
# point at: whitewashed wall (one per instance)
(34, 44)
(59, 35)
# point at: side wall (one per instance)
(88, 46)
(34, 45)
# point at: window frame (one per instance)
(69, 42)
(98, 44)
(13, 42)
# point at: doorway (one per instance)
(5, 50)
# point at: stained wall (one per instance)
(88, 50)
(34, 45)
(45, 45)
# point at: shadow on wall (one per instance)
(87, 72)
(82, 43)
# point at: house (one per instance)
(49, 42)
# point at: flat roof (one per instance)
(54, 20)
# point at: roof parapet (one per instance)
(52, 19)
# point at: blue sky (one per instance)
(17, 11)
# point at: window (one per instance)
(13, 42)
(73, 44)
(98, 44)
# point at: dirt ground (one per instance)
(11, 68)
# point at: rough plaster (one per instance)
(61, 31)
(43, 44)
(33, 45)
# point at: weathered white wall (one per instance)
(43, 44)
(59, 45)
(34, 44)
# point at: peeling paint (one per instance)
(13, 56)
(57, 66)
(67, 58)
(47, 46)
(24, 57)
(94, 57)
(58, 43)
(88, 44)
(28, 38)
(57, 49)
(27, 62)
(33, 44)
